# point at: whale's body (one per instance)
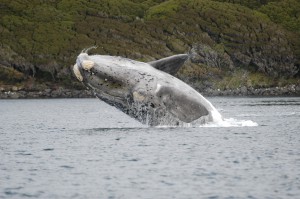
(143, 91)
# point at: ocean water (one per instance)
(83, 148)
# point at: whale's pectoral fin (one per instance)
(185, 108)
(170, 64)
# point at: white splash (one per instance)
(216, 116)
(230, 122)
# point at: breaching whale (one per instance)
(147, 92)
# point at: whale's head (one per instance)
(100, 74)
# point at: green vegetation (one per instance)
(286, 13)
(9, 75)
(41, 39)
(163, 10)
(253, 4)
(240, 78)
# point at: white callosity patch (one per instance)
(77, 73)
(87, 64)
(138, 97)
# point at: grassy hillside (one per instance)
(41, 39)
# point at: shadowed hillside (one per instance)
(233, 43)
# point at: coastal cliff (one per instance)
(237, 47)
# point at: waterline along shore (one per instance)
(14, 93)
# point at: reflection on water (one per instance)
(82, 148)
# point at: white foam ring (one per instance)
(227, 122)
(230, 122)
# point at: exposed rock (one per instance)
(204, 54)
(48, 93)
(291, 90)
(244, 90)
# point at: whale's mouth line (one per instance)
(106, 93)
(107, 96)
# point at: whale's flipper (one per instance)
(170, 64)
(184, 107)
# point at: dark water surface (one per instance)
(83, 148)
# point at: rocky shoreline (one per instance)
(291, 90)
(47, 93)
